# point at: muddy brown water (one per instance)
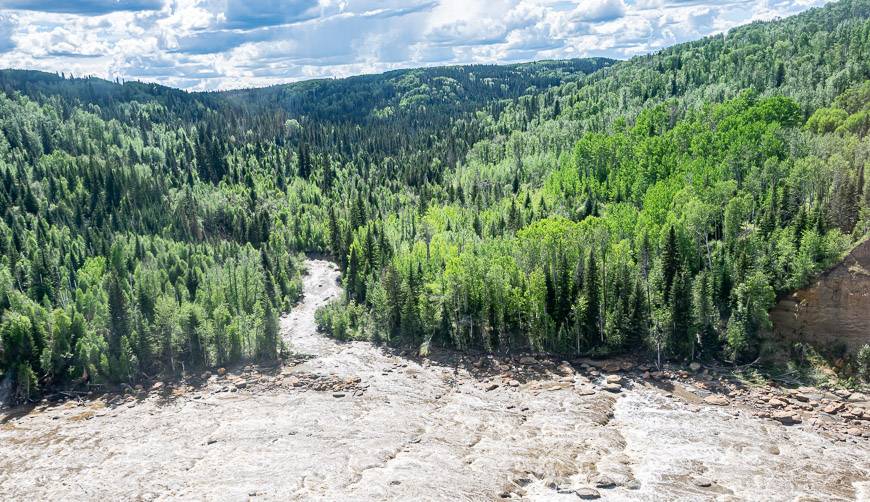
(417, 431)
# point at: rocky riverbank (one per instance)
(839, 414)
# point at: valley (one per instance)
(634, 274)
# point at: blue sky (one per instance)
(221, 44)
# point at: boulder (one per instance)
(587, 493)
(604, 481)
(695, 366)
(611, 366)
(528, 360)
(613, 387)
(222, 371)
(491, 387)
(801, 397)
(786, 418)
(716, 400)
(614, 379)
(857, 397)
(702, 482)
(833, 408)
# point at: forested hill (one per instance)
(420, 92)
(657, 204)
(425, 92)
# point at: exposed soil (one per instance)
(352, 421)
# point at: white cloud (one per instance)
(211, 44)
(600, 10)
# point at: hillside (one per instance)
(585, 207)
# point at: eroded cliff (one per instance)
(833, 310)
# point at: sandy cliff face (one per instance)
(834, 309)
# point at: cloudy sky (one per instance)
(220, 44)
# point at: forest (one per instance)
(657, 205)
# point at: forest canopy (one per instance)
(579, 207)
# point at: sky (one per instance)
(225, 44)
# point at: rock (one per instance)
(777, 403)
(587, 493)
(222, 371)
(627, 365)
(833, 408)
(843, 393)
(695, 366)
(786, 418)
(716, 400)
(206, 375)
(241, 384)
(604, 481)
(614, 379)
(514, 383)
(528, 360)
(645, 375)
(856, 397)
(613, 387)
(702, 482)
(338, 394)
(157, 386)
(491, 387)
(611, 366)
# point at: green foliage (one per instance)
(863, 363)
(659, 203)
(343, 322)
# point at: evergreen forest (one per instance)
(656, 206)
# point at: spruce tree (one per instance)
(592, 291)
